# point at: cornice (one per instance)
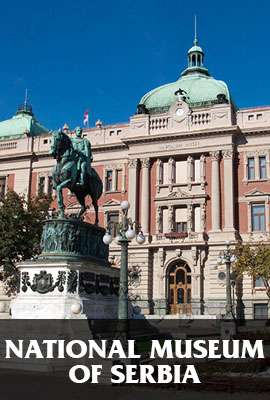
(111, 146)
(181, 135)
(253, 131)
(17, 156)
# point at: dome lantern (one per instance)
(195, 57)
(195, 54)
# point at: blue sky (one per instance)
(105, 55)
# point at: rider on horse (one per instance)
(83, 151)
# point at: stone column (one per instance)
(202, 171)
(132, 187)
(171, 172)
(190, 171)
(190, 211)
(159, 174)
(203, 216)
(215, 191)
(124, 179)
(256, 165)
(145, 195)
(228, 156)
(170, 218)
(158, 220)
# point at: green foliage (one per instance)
(20, 232)
(255, 262)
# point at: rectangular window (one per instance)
(260, 311)
(197, 170)
(258, 283)
(41, 185)
(262, 166)
(258, 217)
(180, 227)
(113, 223)
(108, 181)
(2, 185)
(251, 168)
(181, 172)
(181, 219)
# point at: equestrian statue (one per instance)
(73, 170)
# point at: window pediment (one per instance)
(256, 192)
(111, 203)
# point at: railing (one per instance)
(176, 235)
(8, 146)
(159, 123)
(200, 119)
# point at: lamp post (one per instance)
(227, 257)
(126, 233)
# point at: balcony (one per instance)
(182, 237)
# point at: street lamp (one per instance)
(127, 232)
(227, 257)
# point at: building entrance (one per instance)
(179, 290)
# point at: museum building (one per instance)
(195, 170)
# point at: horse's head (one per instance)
(60, 143)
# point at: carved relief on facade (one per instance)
(219, 115)
(158, 220)
(159, 174)
(202, 170)
(170, 218)
(171, 177)
(203, 217)
(133, 163)
(145, 162)
(161, 257)
(189, 217)
(215, 155)
(228, 154)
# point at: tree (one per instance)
(20, 233)
(254, 260)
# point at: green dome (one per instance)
(24, 122)
(200, 88)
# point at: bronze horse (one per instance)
(65, 175)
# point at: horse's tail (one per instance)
(95, 185)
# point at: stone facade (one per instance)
(185, 175)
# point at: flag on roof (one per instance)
(86, 118)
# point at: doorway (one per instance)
(179, 288)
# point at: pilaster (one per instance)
(132, 187)
(228, 157)
(215, 191)
(145, 200)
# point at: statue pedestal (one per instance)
(71, 278)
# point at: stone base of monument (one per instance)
(71, 279)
